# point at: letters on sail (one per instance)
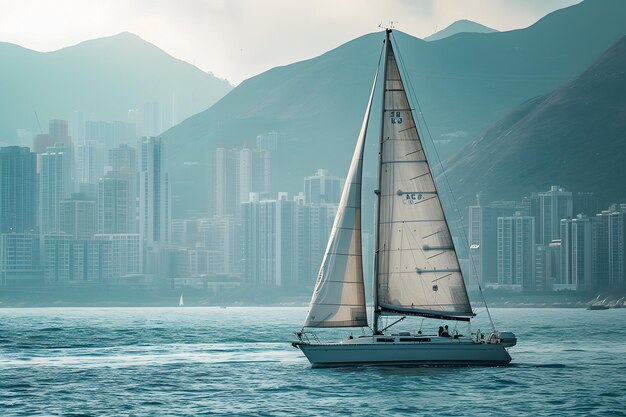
(339, 296)
(418, 269)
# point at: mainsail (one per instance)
(339, 296)
(417, 266)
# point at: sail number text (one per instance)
(412, 198)
(395, 117)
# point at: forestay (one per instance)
(339, 296)
(418, 270)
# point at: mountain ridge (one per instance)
(460, 26)
(573, 137)
(83, 77)
(465, 82)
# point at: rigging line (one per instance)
(443, 171)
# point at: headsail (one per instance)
(339, 296)
(417, 267)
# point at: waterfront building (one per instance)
(155, 202)
(55, 185)
(483, 238)
(516, 252)
(578, 254)
(76, 261)
(554, 205)
(20, 259)
(18, 190)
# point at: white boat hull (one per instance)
(447, 353)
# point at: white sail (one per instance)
(339, 296)
(417, 268)
(181, 302)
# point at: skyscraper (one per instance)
(116, 205)
(78, 216)
(123, 159)
(322, 188)
(55, 184)
(155, 204)
(89, 163)
(269, 250)
(18, 190)
(483, 239)
(227, 195)
(554, 205)
(254, 172)
(610, 253)
(578, 247)
(516, 252)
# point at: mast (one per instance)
(380, 155)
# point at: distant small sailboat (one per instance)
(598, 305)
(416, 269)
(181, 301)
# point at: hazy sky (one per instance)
(236, 39)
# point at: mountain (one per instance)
(105, 76)
(574, 137)
(460, 26)
(465, 83)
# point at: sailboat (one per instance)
(181, 302)
(416, 269)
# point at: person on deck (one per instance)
(440, 332)
(445, 333)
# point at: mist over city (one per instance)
(209, 179)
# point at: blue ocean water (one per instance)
(238, 361)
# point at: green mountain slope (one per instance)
(465, 83)
(574, 137)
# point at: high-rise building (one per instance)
(254, 172)
(155, 203)
(110, 134)
(71, 261)
(185, 232)
(77, 127)
(585, 203)
(125, 254)
(20, 259)
(227, 195)
(322, 188)
(554, 205)
(78, 216)
(18, 190)
(239, 172)
(123, 159)
(59, 129)
(578, 249)
(483, 239)
(116, 204)
(89, 163)
(221, 236)
(313, 226)
(516, 252)
(55, 185)
(610, 248)
(269, 250)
